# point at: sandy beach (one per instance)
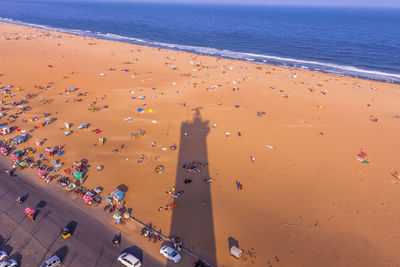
(314, 153)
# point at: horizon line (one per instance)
(210, 2)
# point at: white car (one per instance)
(3, 255)
(9, 263)
(129, 260)
(170, 254)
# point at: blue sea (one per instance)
(359, 42)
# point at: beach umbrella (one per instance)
(29, 211)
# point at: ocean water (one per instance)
(359, 42)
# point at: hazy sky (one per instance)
(361, 3)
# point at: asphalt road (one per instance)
(30, 243)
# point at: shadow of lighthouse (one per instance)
(192, 220)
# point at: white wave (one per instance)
(120, 37)
(46, 27)
(303, 64)
(334, 66)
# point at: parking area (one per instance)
(30, 243)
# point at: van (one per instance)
(52, 262)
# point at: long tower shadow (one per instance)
(192, 219)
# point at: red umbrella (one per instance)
(29, 211)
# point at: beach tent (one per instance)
(70, 187)
(117, 194)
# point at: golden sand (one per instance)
(306, 199)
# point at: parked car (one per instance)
(53, 261)
(66, 232)
(129, 260)
(9, 263)
(3, 255)
(170, 254)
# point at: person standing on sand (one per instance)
(239, 185)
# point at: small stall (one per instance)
(49, 178)
(41, 174)
(4, 151)
(31, 213)
(21, 109)
(77, 165)
(56, 165)
(83, 126)
(117, 218)
(18, 152)
(236, 252)
(20, 139)
(49, 151)
(38, 142)
(117, 195)
(88, 198)
(77, 174)
(14, 157)
(4, 130)
(109, 199)
(22, 164)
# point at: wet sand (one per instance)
(306, 199)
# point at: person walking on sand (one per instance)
(239, 185)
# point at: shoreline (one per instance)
(247, 57)
(290, 137)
